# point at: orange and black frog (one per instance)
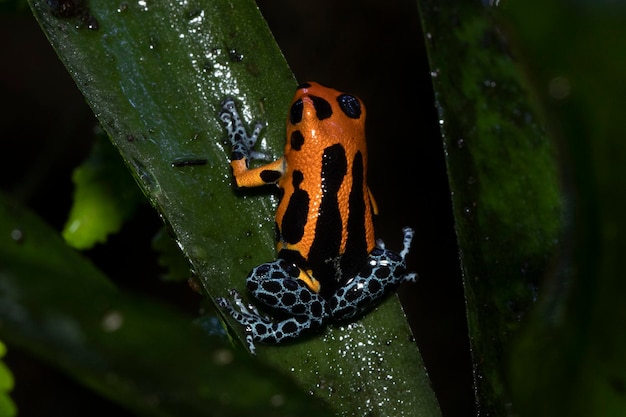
(329, 265)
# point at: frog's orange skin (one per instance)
(329, 265)
(328, 148)
(322, 177)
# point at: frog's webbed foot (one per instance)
(259, 328)
(246, 315)
(241, 142)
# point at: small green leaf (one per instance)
(6, 378)
(105, 196)
(7, 406)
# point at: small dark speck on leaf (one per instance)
(183, 162)
(92, 22)
(193, 13)
(74, 8)
(234, 55)
(66, 8)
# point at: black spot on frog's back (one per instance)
(296, 140)
(323, 110)
(355, 255)
(295, 112)
(327, 241)
(295, 217)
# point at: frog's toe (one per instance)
(223, 303)
(408, 234)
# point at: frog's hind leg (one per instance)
(385, 270)
(260, 328)
(275, 284)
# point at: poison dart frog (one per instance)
(329, 265)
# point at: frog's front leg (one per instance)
(242, 151)
(276, 284)
(242, 144)
(385, 270)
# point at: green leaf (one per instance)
(6, 378)
(154, 74)
(570, 358)
(503, 177)
(7, 406)
(139, 353)
(105, 196)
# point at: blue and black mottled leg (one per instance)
(276, 285)
(242, 151)
(242, 144)
(384, 272)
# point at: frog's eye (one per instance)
(350, 105)
(295, 113)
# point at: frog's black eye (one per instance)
(295, 113)
(350, 105)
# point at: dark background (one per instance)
(371, 48)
